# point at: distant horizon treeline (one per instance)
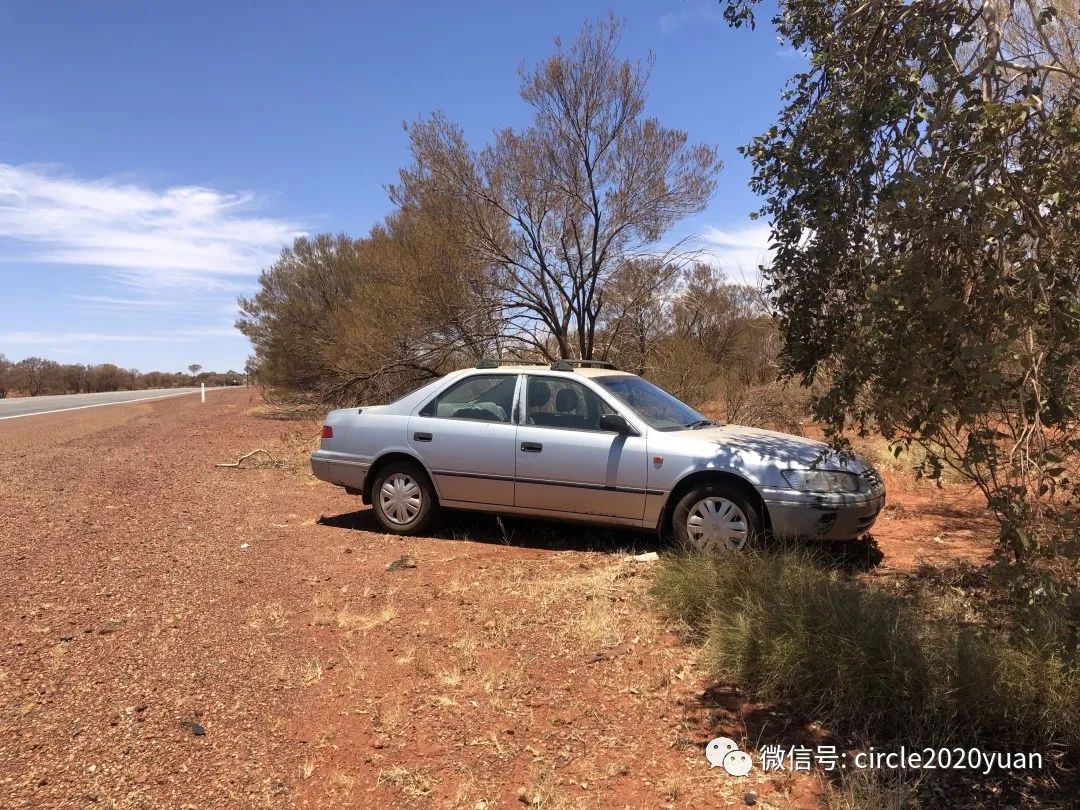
(39, 376)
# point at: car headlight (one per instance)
(823, 481)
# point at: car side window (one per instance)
(481, 397)
(561, 403)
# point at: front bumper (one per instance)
(798, 515)
(343, 472)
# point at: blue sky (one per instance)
(155, 156)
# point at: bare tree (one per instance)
(558, 209)
(638, 312)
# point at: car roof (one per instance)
(516, 368)
(602, 372)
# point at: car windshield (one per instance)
(656, 406)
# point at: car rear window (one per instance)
(484, 397)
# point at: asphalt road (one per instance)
(30, 406)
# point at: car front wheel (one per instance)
(403, 499)
(713, 518)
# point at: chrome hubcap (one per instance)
(400, 498)
(717, 524)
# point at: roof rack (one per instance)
(570, 365)
(495, 362)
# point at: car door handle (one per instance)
(421, 437)
(531, 447)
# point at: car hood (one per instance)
(780, 449)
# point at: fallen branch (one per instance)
(242, 458)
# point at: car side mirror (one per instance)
(616, 423)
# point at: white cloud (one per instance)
(739, 251)
(149, 305)
(179, 237)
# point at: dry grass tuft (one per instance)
(450, 678)
(388, 715)
(341, 783)
(271, 617)
(600, 606)
(311, 672)
(896, 669)
(469, 796)
(863, 789)
(411, 783)
(544, 794)
(349, 621)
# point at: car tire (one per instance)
(713, 518)
(403, 498)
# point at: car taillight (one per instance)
(327, 432)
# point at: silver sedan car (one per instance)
(585, 442)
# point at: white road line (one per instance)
(98, 405)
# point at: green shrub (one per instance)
(868, 663)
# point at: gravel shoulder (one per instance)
(178, 634)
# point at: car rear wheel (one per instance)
(714, 518)
(403, 498)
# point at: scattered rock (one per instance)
(195, 728)
(648, 556)
(750, 798)
(402, 562)
(523, 795)
(245, 545)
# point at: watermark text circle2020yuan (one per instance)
(827, 757)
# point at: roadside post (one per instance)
(202, 392)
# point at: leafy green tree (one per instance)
(338, 320)
(922, 188)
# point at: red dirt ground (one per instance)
(146, 595)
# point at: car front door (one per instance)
(566, 463)
(466, 436)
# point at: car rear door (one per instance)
(565, 463)
(466, 437)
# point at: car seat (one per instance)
(539, 395)
(567, 407)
